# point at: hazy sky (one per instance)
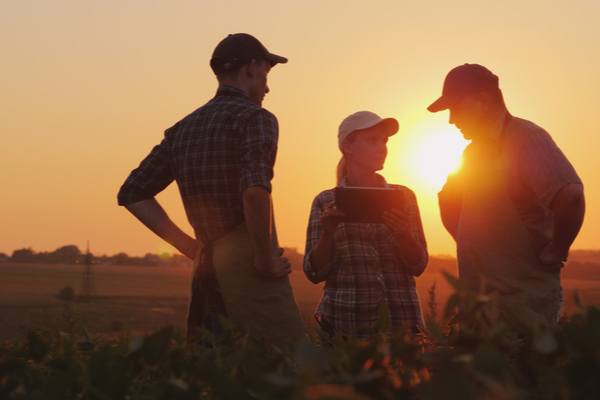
(87, 88)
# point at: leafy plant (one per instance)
(490, 358)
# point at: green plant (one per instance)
(491, 358)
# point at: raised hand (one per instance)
(330, 218)
(398, 221)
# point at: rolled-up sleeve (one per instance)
(258, 151)
(152, 176)
(313, 234)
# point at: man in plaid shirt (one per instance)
(222, 157)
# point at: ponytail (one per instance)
(341, 170)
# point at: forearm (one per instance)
(257, 211)
(410, 249)
(568, 210)
(321, 254)
(154, 217)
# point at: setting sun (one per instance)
(426, 151)
(438, 155)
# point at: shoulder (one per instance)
(407, 191)
(259, 121)
(322, 199)
(524, 131)
(264, 114)
(190, 119)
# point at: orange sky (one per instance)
(87, 88)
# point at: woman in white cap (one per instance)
(365, 264)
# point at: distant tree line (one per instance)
(582, 264)
(72, 255)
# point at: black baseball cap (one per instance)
(462, 80)
(239, 49)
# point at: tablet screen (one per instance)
(366, 205)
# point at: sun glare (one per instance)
(428, 149)
(437, 156)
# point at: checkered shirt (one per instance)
(365, 268)
(216, 152)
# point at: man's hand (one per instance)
(568, 210)
(550, 255)
(280, 268)
(189, 248)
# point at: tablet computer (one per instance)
(366, 205)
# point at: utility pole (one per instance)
(88, 287)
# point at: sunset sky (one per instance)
(87, 88)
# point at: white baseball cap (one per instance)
(363, 120)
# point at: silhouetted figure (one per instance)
(515, 204)
(365, 264)
(222, 157)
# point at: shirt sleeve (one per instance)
(416, 229)
(313, 235)
(152, 176)
(258, 150)
(544, 167)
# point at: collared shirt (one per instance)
(366, 268)
(499, 126)
(536, 170)
(216, 152)
(533, 166)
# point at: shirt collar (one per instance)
(225, 90)
(380, 179)
(498, 126)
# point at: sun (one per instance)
(437, 156)
(425, 151)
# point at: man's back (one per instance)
(214, 153)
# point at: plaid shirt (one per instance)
(216, 152)
(365, 268)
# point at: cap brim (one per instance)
(275, 59)
(443, 103)
(391, 125)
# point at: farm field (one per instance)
(136, 300)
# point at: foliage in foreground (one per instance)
(489, 358)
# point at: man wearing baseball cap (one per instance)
(222, 157)
(514, 206)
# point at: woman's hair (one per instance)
(342, 168)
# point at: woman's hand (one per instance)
(330, 218)
(398, 221)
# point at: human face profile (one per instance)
(259, 87)
(368, 149)
(467, 115)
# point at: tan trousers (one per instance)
(265, 305)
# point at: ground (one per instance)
(136, 300)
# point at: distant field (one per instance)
(143, 299)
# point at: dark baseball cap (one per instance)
(239, 49)
(462, 80)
